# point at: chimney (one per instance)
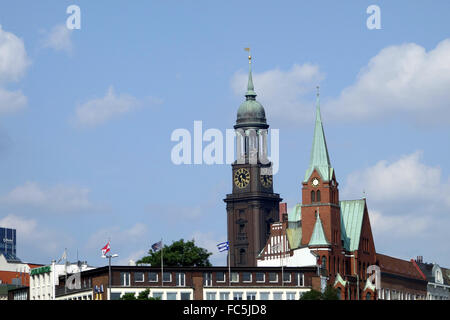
(283, 212)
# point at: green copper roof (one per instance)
(294, 236)
(296, 213)
(319, 153)
(339, 280)
(318, 237)
(251, 113)
(352, 213)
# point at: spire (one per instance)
(318, 237)
(319, 152)
(250, 95)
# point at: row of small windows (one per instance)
(265, 295)
(247, 277)
(125, 278)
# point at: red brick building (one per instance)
(336, 236)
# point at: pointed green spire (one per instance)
(318, 237)
(320, 159)
(251, 94)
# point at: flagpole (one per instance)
(229, 269)
(162, 263)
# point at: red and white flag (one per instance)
(106, 249)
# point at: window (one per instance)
(180, 278)
(278, 296)
(210, 296)
(368, 296)
(237, 296)
(286, 277)
(264, 296)
(246, 277)
(260, 277)
(290, 295)
(313, 196)
(273, 277)
(251, 295)
(318, 196)
(339, 293)
(224, 296)
(185, 296)
(138, 277)
(167, 277)
(207, 279)
(153, 276)
(171, 296)
(299, 279)
(125, 279)
(157, 295)
(115, 295)
(234, 277)
(324, 262)
(242, 259)
(220, 276)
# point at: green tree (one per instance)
(329, 294)
(312, 295)
(143, 295)
(179, 254)
(128, 296)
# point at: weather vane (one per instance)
(249, 55)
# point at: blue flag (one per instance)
(157, 246)
(223, 246)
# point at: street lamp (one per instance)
(110, 256)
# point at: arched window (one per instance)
(313, 196)
(324, 262)
(339, 293)
(242, 256)
(338, 265)
(318, 196)
(368, 296)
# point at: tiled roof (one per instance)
(397, 266)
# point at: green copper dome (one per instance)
(251, 113)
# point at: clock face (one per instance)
(241, 178)
(266, 180)
(315, 182)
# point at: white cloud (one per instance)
(11, 101)
(404, 180)
(402, 80)
(36, 237)
(59, 39)
(404, 226)
(60, 198)
(13, 57)
(408, 203)
(282, 93)
(13, 64)
(131, 236)
(97, 111)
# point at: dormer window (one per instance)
(438, 277)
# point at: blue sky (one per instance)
(86, 117)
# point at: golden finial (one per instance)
(249, 56)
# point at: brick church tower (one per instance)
(252, 206)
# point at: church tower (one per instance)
(321, 214)
(252, 206)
